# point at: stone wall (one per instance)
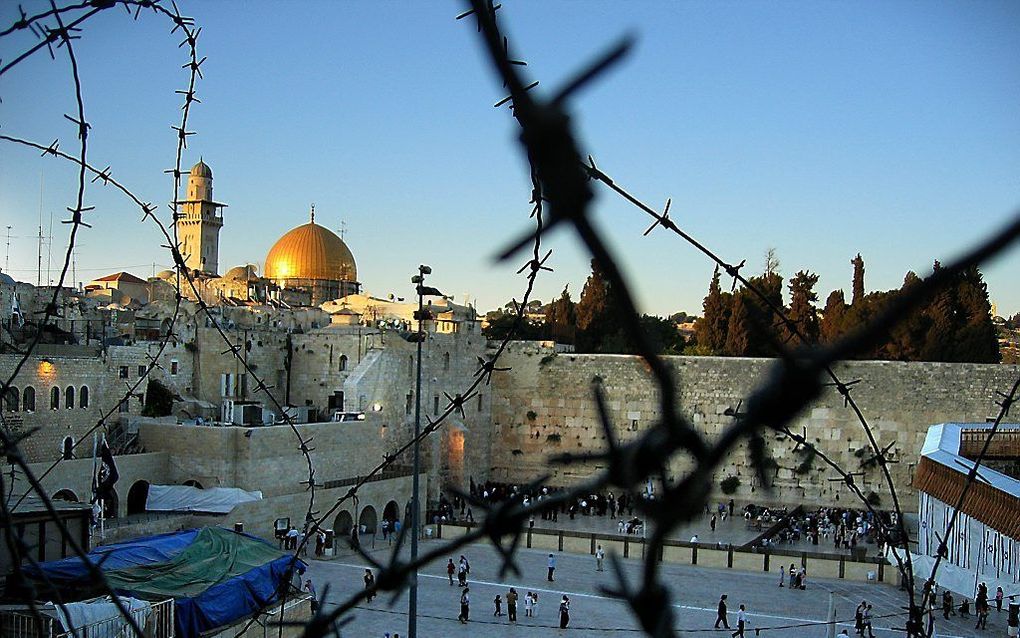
(543, 406)
(107, 374)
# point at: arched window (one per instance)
(54, 398)
(11, 399)
(410, 365)
(67, 448)
(69, 397)
(343, 362)
(83, 397)
(28, 399)
(446, 361)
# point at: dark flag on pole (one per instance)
(107, 475)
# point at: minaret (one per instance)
(199, 222)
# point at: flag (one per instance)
(104, 481)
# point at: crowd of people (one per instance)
(608, 504)
(847, 528)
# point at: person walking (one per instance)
(711, 523)
(998, 598)
(859, 618)
(782, 575)
(600, 556)
(564, 612)
(867, 622)
(465, 606)
(529, 604)
(497, 603)
(741, 614)
(450, 569)
(947, 604)
(552, 567)
(310, 588)
(511, 605)
(369, 579)
(721, 613)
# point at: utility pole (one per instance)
(420, 315)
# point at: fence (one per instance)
(817, 564)
(157, 621)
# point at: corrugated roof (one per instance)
(994, 498)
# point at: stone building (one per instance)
(199, 222)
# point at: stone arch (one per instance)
(67, 448)
(391, 512)
(11, 397)
(342, 523)
(343, 362)
(28, 399)
(111, 505)
(69, 397)
(83, 397)
(193, 483)
(137, 495)
(368, 521)
(54, 398)
(66, 495)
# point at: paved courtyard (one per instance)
(695, 593)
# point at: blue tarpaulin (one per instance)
(215, 576)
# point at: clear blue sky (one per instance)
(820, 129)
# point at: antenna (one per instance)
(38, 268)
(7, 263)
(313, 212)
(343, 229)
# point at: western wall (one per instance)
(544, 406)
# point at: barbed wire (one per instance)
(560, 181)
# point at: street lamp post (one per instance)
(421, 315)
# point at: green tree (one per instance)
(710, 329)
(561, 318)
(976, 339)
(833, 323)
(159, 400)
(858, 283)
(596, 312)
(803, 313)
(738, 335)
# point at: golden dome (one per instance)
(201, 170)
(310, 251)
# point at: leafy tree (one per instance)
(159, 400)
(501, 323)
(710, 330)
(976, 339)
(803, 313)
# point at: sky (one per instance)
(818, 129)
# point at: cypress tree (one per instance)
(977, 341)
(594, 312)
(832, 325)
(738, 335)
(561, 317)
(858, 283)
(803, 313)
(710, 329)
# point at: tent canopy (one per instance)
(215, 576)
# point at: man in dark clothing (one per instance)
(564, 612)
(721, 618)
(731, 508)
(465, 606)
(369, 583)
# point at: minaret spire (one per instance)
(313, 212)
